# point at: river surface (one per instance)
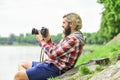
(10, 56)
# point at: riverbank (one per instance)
(86, 72)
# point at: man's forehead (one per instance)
(65, 19)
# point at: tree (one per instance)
(11, 39)
(56, 38)
(20, 38)
(30, 39)
(110, 24)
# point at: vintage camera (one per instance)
(43, 31)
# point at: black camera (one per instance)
(43, 31)
(34, 31)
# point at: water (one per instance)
(10, 56)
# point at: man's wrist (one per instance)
(47, 40)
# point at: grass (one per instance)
(84, 70)
(99, 51)
(52, 78)
(99, 68)
(103, 51)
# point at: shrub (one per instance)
(84, 70)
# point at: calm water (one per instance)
(10, 56)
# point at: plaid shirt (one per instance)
(64, 54)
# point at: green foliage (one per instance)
(99, 68)
(52, 78)
(25, 39)
(84, 70)
(91, 38)
(110, 24)
(94, 38)
(103, 51)
(56, 38)
(3, 40)
(100, 51)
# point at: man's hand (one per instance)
(47, 38)
(39, 36)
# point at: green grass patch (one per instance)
(98, 51)
(52, 78)
(101, 51)
(99, 68)
(84, 70)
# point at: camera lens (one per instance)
(44, 31)
(34, 31)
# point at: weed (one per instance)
(99, 68)
(84, 70)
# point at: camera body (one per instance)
(43, 31)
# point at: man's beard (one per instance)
(67, 31)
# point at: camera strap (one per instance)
(41, 55)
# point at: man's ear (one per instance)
(71, 24)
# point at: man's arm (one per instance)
(63, 48)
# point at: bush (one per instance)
(84, 70)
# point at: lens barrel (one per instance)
(43, 31)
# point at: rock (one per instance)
(110, 73)
(117, 57)
(100, 61)
(116, 76)
(92, 64)
(68, 73)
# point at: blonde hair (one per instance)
(75, 18)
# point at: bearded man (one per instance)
(61, 57)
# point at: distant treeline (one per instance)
(109, 28)
(25, 39)
(91, 38)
